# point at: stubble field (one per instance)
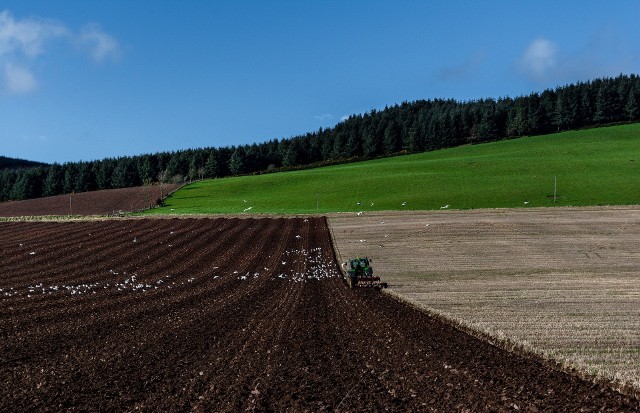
(562, 282)
(234, 315)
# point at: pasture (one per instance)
(576, 168)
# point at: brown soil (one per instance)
(105, 202)
(233, 315)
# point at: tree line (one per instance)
(409, 127)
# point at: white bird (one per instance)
(359, 213)
(526, 202)
(404, 203)
(444, 207)
(248, 209)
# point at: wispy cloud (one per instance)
(19, 80)
(22, 41)
(27, 36)
(463, 69)
(324, 117)
(100, 45)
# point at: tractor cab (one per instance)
(360, 274)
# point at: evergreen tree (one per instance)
(148, 168)
(54, 181)
(125, 174)
(211, 166)
(632, 107)
(7, 180)
(85, 179)
(604, 103)
(392, 139)
(69, 182)
(236, 162)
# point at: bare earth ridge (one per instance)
(237, 314)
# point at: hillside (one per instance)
(589, 167)
(108, 201)
(13, 163)
(418, 126)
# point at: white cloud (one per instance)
(22, 41)
(26, 37)
(19, 80)
(100, 45)
(540, 60)
(605, 53)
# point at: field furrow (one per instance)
(237, 314)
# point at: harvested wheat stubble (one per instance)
(108, 201)
(232, 315)
(562, 282)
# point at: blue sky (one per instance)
(85, 80)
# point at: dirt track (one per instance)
(233, 315)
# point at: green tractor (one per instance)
(360, 274)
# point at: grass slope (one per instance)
(593, 167)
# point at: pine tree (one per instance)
(53, 182)
(236, 162)
(211, 166)
(632, 108)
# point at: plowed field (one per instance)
(108, 201)
(234, 315)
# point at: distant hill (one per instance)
(12, 163)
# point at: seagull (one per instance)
(404, 203)
(444, 207)
(359, 213)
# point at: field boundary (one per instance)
(515, 346)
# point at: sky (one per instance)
(88, 80)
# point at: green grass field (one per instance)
(592, 167)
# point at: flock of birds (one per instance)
(128, 284)
(405, 203)
(316, 266)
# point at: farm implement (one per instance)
(360, 274)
